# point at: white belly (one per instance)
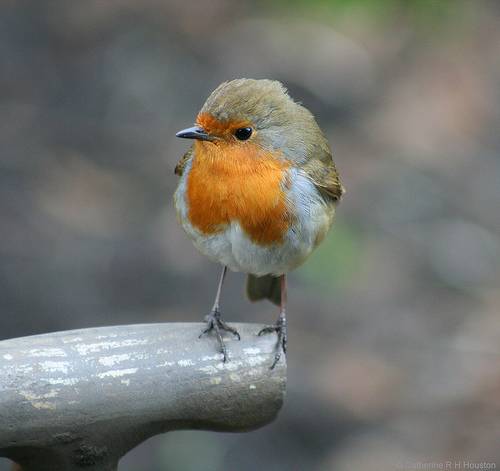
(233, 248)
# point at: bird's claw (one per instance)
(280, 329)
(217, 324)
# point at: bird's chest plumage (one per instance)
(242, 184)
(256, 216)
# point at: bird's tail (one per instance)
(264, 287)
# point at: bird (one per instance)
(257, 192)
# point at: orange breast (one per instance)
(232, 182)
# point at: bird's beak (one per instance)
(196, 132)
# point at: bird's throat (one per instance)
(238, 183)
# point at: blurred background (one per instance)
(394, 324)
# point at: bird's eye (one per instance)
(243, 134)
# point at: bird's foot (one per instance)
(216, 323)
(280, 329)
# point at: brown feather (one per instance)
(179, 168)
(264, 287)
(322, 171)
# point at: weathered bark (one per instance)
(83, 398)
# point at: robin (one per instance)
(257, 191)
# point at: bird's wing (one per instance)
(179, 168)
(321, 169)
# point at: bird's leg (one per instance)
(214, 319)
(280, 326)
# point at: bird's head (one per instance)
(258, 114)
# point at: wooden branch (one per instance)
(81, 399)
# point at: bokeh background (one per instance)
(394, 322)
